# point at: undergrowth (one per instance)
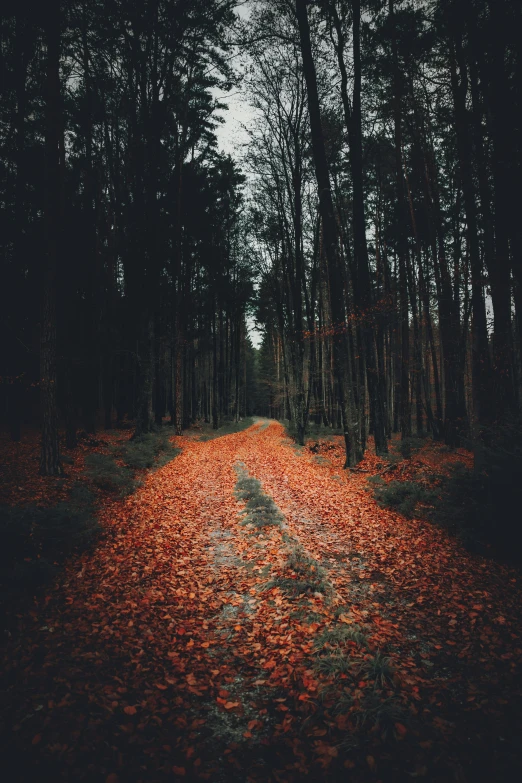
(407, 497)
(479, 506)
(36, 541)
(146, 451)
(338, 635)
(107, 475)
(379, 715)
(153, 450)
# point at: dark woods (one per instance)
(124, 282)
(388, 159)
(378, 245)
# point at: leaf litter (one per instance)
(247, 618)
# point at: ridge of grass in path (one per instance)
(301, 574)
(341, 655)
(260, 510)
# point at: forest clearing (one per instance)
(250, 613)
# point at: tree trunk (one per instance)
(363, 291)
(50, 455)
(480, 354)
(146, 378)
(505, 212)
(402, 245)
(335, 277)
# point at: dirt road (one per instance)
(251, 614)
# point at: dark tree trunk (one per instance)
(364, 295)
(15, 389)
(335, 277)
(50, 454)
(70, 412)
(503, 173)
(480, 354)
(402, 244)
(215, 401)
(144, 417)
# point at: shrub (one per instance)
(407, 447)
(334, 665)
(480, 506)
(403, 496)
(106, 474)
(147, 451)
(339, 635)
(483, 506)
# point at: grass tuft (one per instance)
(260, 510)
(339, 635)
(333, 665)
(380, 670)
(301, 575)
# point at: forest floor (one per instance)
(251, 614)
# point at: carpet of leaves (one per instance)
(169, 652)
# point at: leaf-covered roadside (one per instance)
(313, 637)
(45, 519)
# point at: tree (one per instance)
(50, 454)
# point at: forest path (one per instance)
(333, 638)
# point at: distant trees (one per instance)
(416, 157)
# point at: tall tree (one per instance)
(335, 277)
(50, 453)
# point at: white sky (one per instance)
(232, 136)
